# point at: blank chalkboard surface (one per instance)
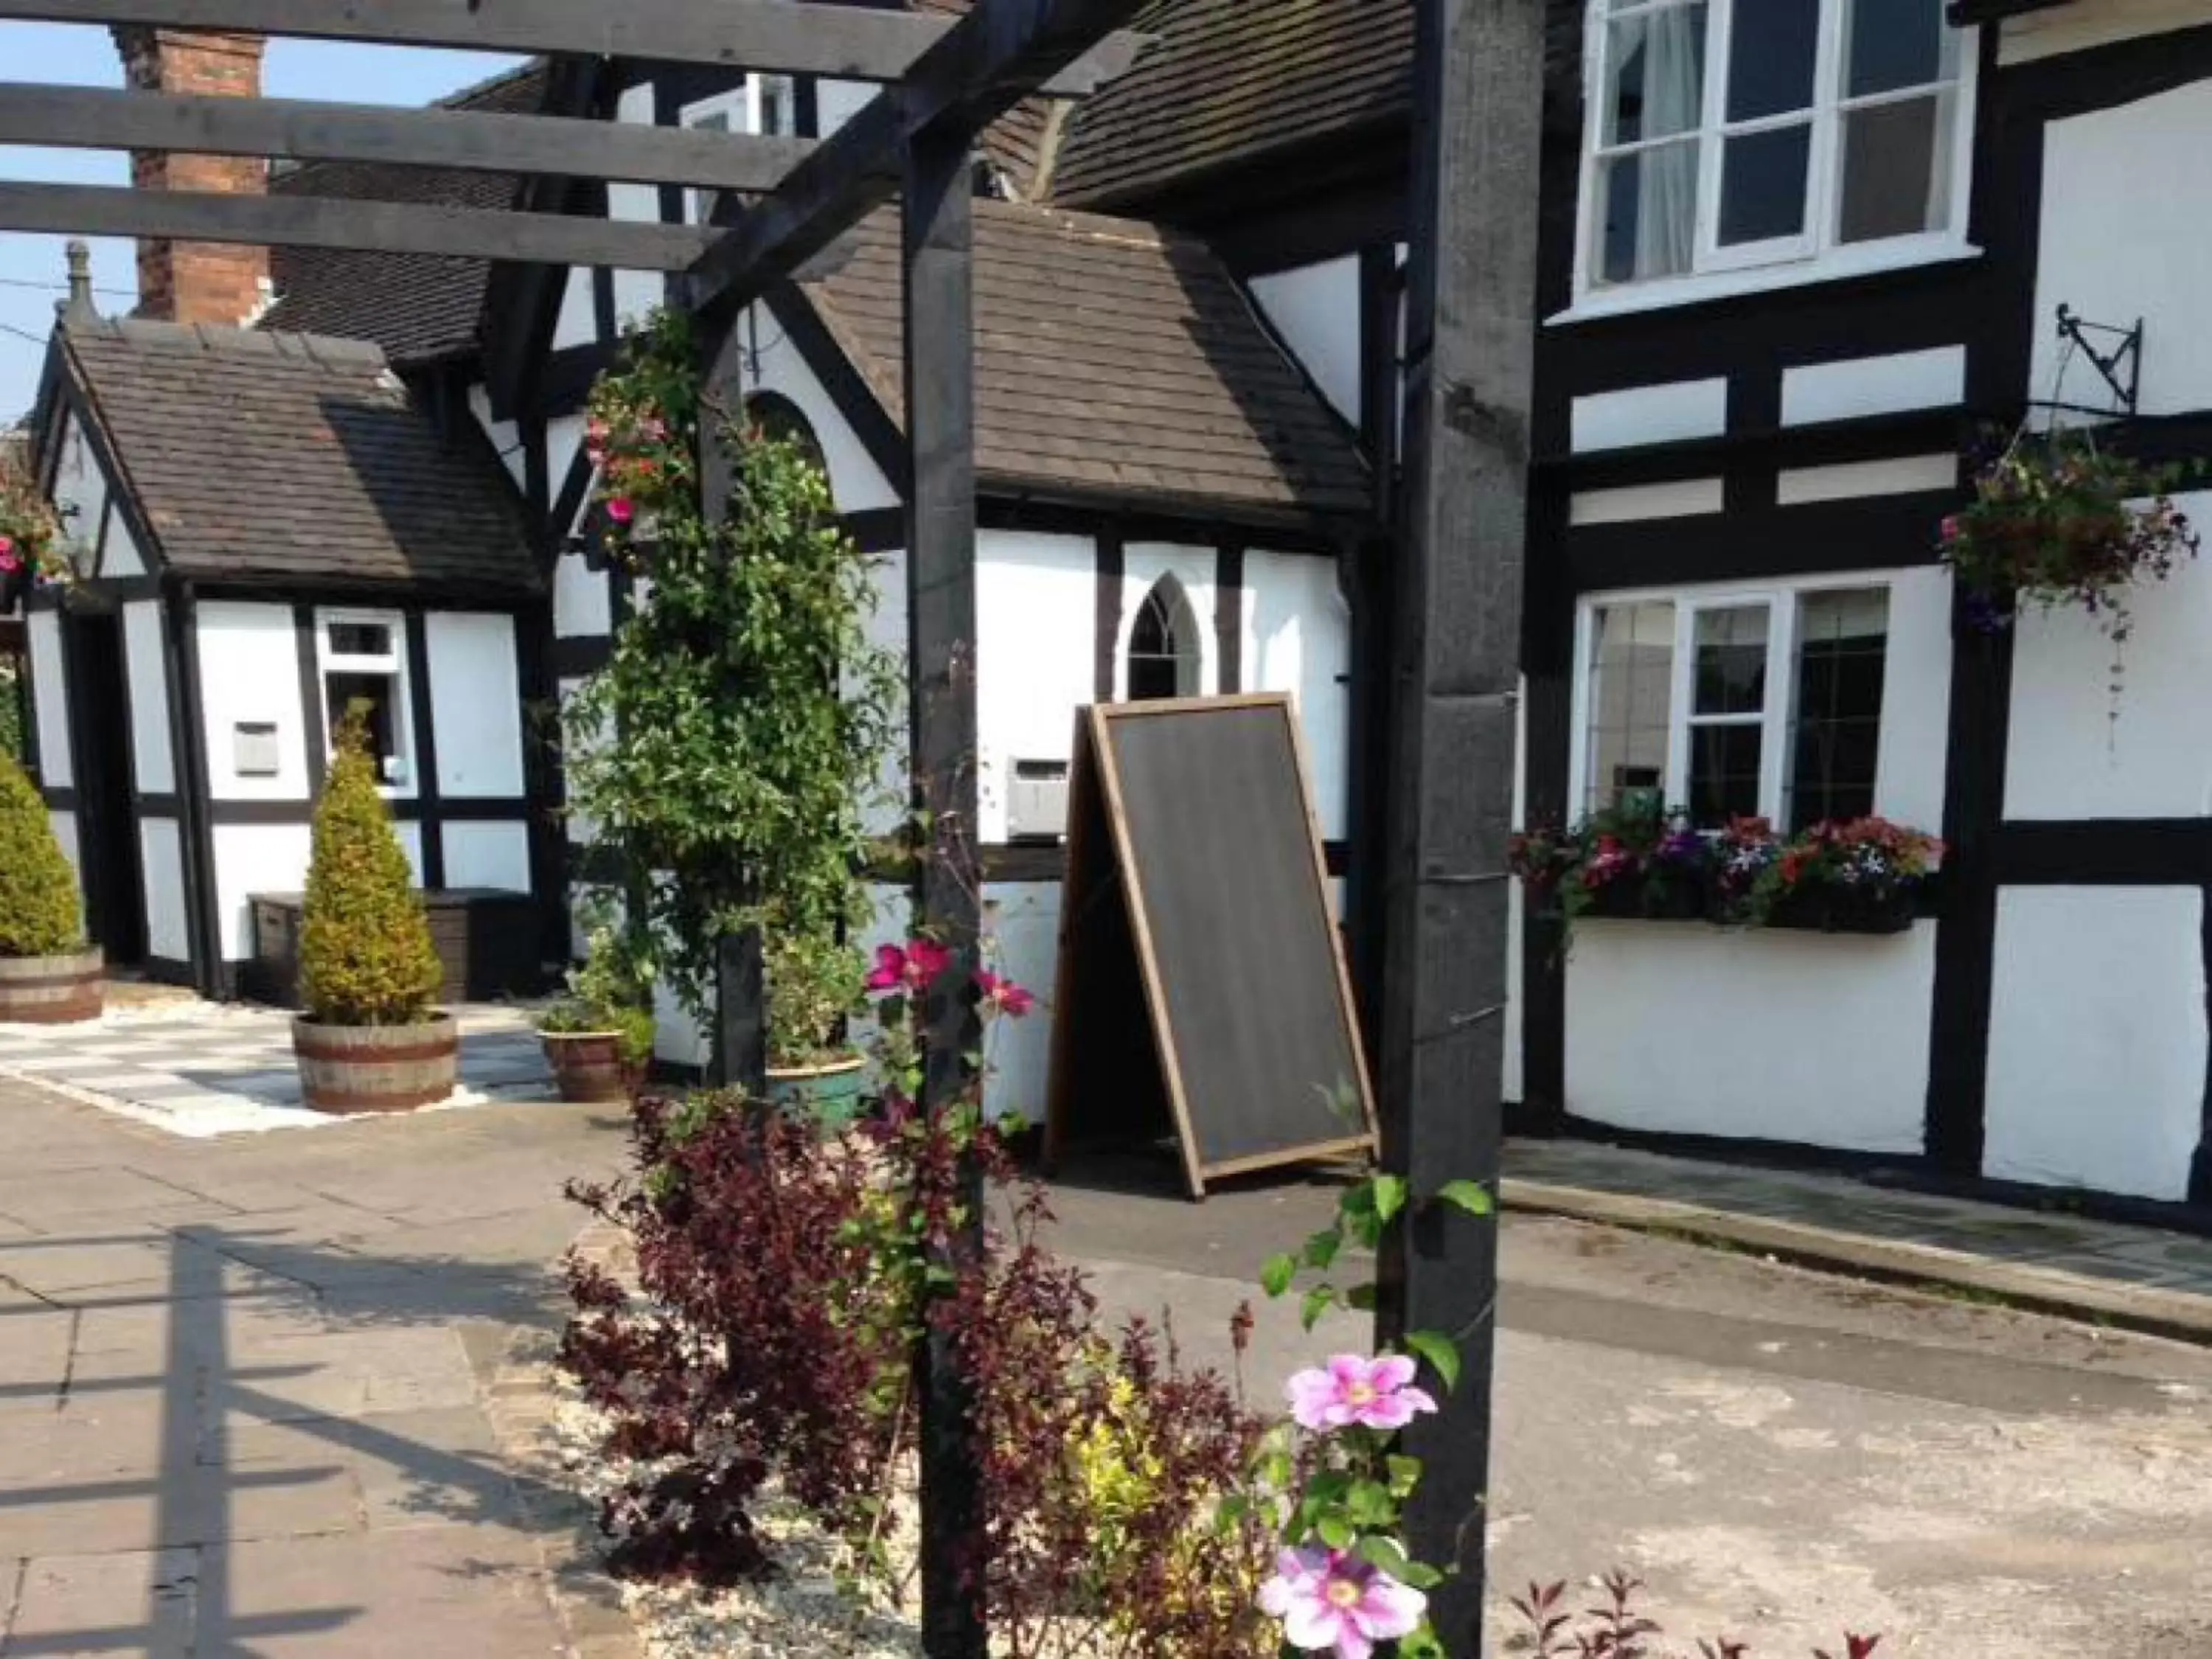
(1197, 905)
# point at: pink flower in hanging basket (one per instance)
(622, 510)
(1353, 1391)
(1332, 1601)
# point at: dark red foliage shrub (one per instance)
(1616, 1630)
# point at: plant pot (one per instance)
(50, 990)
(589, 1065)
(1838, 910)
(376, 1068)
(831, 1094)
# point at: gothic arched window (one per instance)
(1166, 654)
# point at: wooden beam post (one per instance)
(1454, 663)
(940, 430)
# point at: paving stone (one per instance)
(139, 1604)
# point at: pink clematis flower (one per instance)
(1334, 1602)
(910, 968)
(621, 509)
(1373, 1394)
(1003, 996)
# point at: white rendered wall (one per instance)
(1849, 388)
(152, 766)
(505, 435)
(1197, 568)
(2097, 1039)
(1809, 1037)
(636, 292)
(2122, 237)
(776, 366)
(1915, 700)
(1315, 310)
(49, 692)
(578, 323)
(1021, 920)
(2079, 750)
(65, 832)
(885, 629)
(80, 488)
(119, 557)
(162, 867)
(250, 672)
(487, 856)
(1036, 633)
(1648, 415)
(838, 101)
(1297, 638)
(475, 703)
(250, 859)
(583, 599)
(564, 436)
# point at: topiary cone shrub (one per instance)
(365, 957)
(39, 914)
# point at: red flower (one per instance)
(621, 509)
(909, 968)
(1003, 996)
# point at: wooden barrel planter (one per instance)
(376, 1068)
(831, 1094)
(589, 1066)
(50, 990)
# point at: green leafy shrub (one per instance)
(39, 910)
(365, 957)
(607, 994)
(813, 985)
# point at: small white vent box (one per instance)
(1037, 805)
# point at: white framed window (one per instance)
(765, 104)
(1166, 654)
(1753, 703)
(362, 658)
(1725, 135)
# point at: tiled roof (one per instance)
(1112, 358)
(1227, 81)
(257, 456)
(1021, 143)
(416, 306)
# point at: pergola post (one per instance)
(938, 220)
(1454, 663)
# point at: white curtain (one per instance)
(1672, 40)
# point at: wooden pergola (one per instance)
(1456, 572)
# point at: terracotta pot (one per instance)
(828, 1095)
(376, 1068)
(50, 990)
(589, 1065)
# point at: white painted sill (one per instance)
(1710, 285)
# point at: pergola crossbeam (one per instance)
(101, 118)
(859, 43)
(329, 222)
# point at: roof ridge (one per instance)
(229, 340)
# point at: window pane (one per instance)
(1656, 75)
(357, 639)
(1730, 667)
(1763, 184)
(1897, 169)
(1772, 44)
(1631, 685)
(377, 698)
(1650, 222)
(1895, 44)
(1842, 658)
(1723, 774)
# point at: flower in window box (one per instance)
(1864, 876)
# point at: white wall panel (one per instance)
(250, 859)
(1197, 569)
(1035, 632)
(1796, 486)
(1022, 920)
(636, 292)
(162, 867)
(578, 323)
(1810, 1037)
(1648, 415)
(49, 691)
(838, 101)
(119, 557)
(2097, 1038)
(80, 486)
(65, 832)
(2124, 236)
(152, 765)
(1678, 499)
(1315, 310)
(506, 437)
(249, 673)
(858, 483)
(1855, 386)
(2081, 749)
(583, 599)
(1297, 638)
(487, 856)
(1915, 700)
(475, 703)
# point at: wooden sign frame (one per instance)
(1093, 744)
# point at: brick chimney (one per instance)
(197, 281)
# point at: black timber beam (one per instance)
(321, 222)
(798, 37)
(1453, 669)
(101, 118)
(1001, 52)
(1965, 14)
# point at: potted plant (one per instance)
(599, 1037)
(732, 752)
(369, 1040)
(813, 988)
(1860, 877)
(49, 975)
(1633, 862)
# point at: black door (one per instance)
(107, 826)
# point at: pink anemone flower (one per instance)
(1331, 1601)
(1372, 1394)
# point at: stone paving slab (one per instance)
(2136, 1276)
(202, 1070)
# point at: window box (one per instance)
(1833, 910)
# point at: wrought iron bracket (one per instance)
(2117, 361)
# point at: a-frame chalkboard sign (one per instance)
(1202, 983)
